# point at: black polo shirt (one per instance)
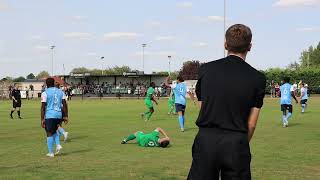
(228, 89)
(16, 94)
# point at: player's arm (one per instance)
(13, 98)
(292, 94)
(43, 111)
(167, 81)
(154, 99)
(252, 122)
(255, 110)
(160, 130)
(43, 108)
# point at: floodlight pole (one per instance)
(101, 58)
(169, 58)
(52, 48)
(143, 46)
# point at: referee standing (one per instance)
(16, 101)
(230, 93)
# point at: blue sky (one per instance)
(85, 30)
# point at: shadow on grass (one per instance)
(294, 124)
(191, 129)
(76, 138)
(75, 152)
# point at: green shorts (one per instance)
(148, 103)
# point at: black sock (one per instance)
(18, 113)
(11, 113)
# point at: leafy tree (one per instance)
(19, 79)
(311, 57)
(293, 66)
(31, 76)
(43, 74)
(190, 70)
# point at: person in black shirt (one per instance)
(230, 94)
(16, 101)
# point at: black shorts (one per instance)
(52, 125)
(16, 104)
(286, 107)
(180, 107)
(304, 101)
(220, 152)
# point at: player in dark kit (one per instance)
(16, 101)
(229, 111)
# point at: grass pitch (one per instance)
(97, 127)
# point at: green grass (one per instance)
(97, 127)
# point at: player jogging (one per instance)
(148, 102)
(52, 100)
(303, 97)
(16, 101)
(149, 140)
(286, 92)
(180, 91)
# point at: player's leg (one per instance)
(14, 105)
(129, 138)
(18, 111)
(179, 109)
(50, 137)
(147, 114)
(303, 105)
(12, 111)
(61, 131)
(289, 114)
(284, 115)
(56, 135)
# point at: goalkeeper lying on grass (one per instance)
(149, 140)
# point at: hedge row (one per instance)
(311, 76)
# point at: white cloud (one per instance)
(4, 5)
(309, 29)
(215, 18)
(78, 35)
(207, 19)
(185, 5)
(165, 38)
(200, 44)
(295, 3)
(120, 35)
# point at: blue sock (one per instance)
(50, 144)
(303, 107)
(56, 137)
(61, 130)
(288, 116)
(181, 122)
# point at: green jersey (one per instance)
(148, 140)
(150, 93)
